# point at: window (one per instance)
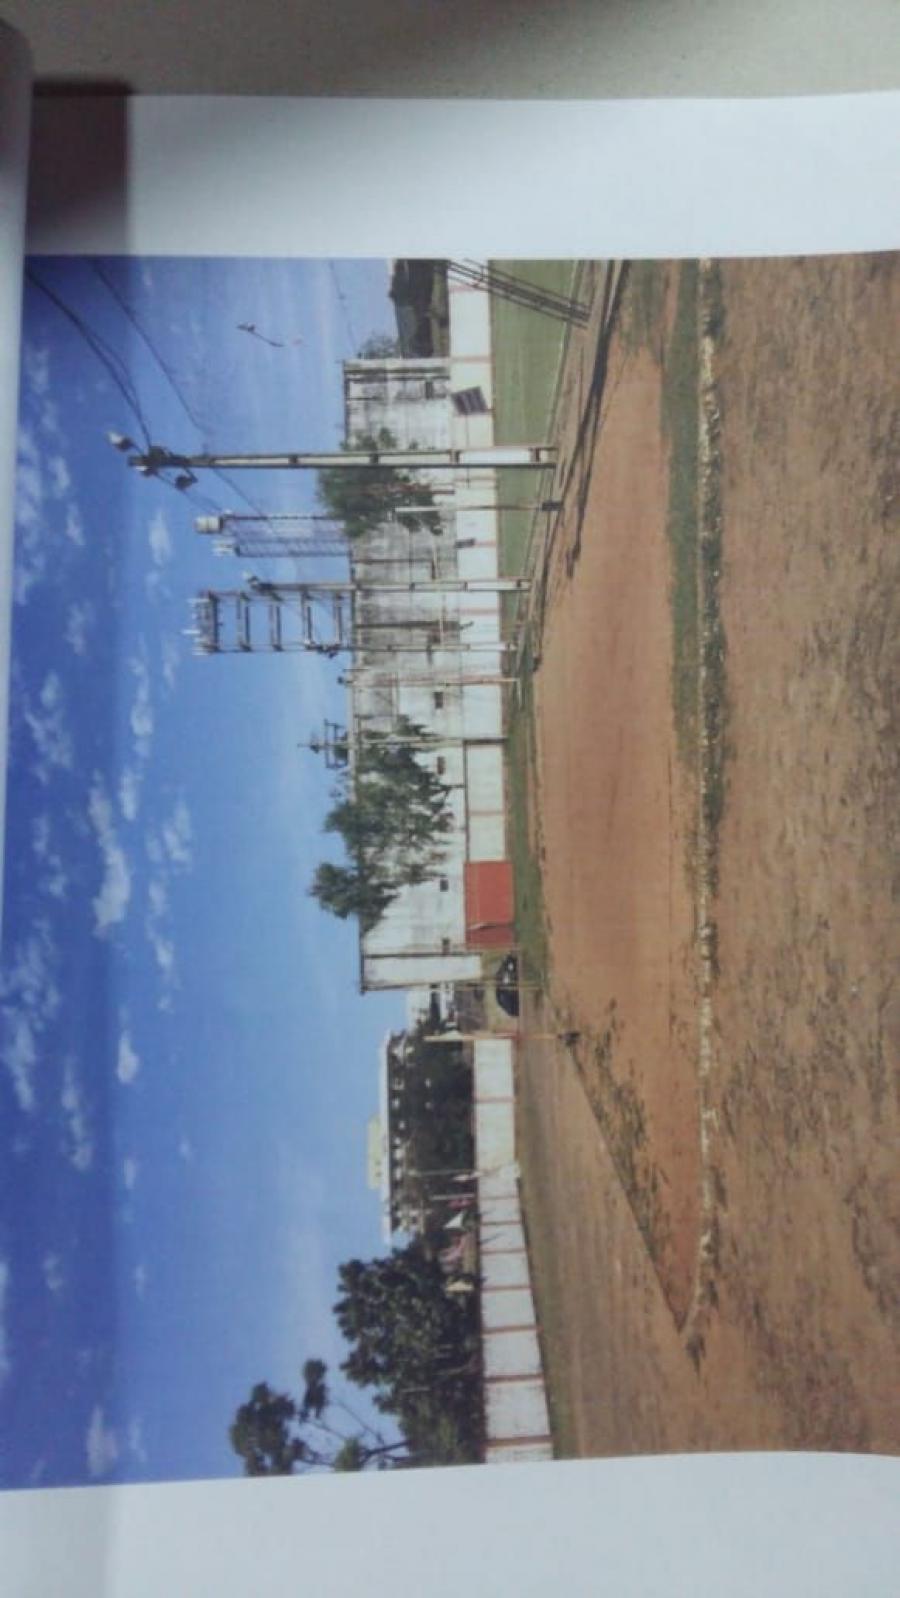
(469, 402)
(438, 700)
(445, 945)
(441, 765)
(445, 884)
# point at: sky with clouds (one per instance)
(187, 1067)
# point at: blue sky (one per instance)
(188, 1066)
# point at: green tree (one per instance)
(277, 1435)
(263, 1433)
(379, 347)
(434, 1094)
(390, 810)
(418, 1347)
(363, 497)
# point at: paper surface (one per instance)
(757, 191)
(15, 112)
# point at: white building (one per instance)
(434, 657)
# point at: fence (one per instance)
(516, 1414)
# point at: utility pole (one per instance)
(506, 286)
(426, 585)
(223, 623)
(157, 459)
(267, 537)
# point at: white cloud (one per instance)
(30, 1000)
(31, 552)
(20, 1058)
(139, 1278)
(171, 660)
(129, 793)
(111, 902)
(164, 952)
(79, 1139)
(40, 836)
(59, 475)
(43, 487)
(158, 897)
(36, 367)
(56, 883)
(49, 419)
(79, 621)
(130, 1172)
(46, 722)
(136, 1444)
(101, 1445)
(177, 834)
(142, 718)
(54, 1275)
(54, 880)
(27, 978)
(162, 945)
(74, 527)
(4, 1346)
(160, 539)
(128, 1063)
(186, 1150)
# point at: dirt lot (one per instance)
(736, 1282)
(618, 914)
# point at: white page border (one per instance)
(342, 178)
(623, 178)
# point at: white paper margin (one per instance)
(387, 178)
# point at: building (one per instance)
(419, 294)
(407, 1104)
(433, 655)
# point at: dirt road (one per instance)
(796, 1183)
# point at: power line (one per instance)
(345, 306)
(117, 371)
(127, 310)
(108, 357)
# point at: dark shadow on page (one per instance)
(79, 165)
(81, 89)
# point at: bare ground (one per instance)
(799, 1345)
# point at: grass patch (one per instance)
(527, 347)
(531, 928)
(640, 323)
(715, 698)
(551, 1304)
(681, 424)
(619, 1110)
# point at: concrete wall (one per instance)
(408, 397)
(397, 672)
(516, 1415)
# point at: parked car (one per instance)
(507, 985)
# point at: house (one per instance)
(429, 652)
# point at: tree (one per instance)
(277, 1435)
(418, 1346)
(390, 810)
(348, 890)
(380, 347)
(364, 497)
(433, 1094)
(262, 1433)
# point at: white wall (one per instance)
(515, 1399)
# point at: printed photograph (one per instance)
(450, 937)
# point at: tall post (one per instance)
(494, 457)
